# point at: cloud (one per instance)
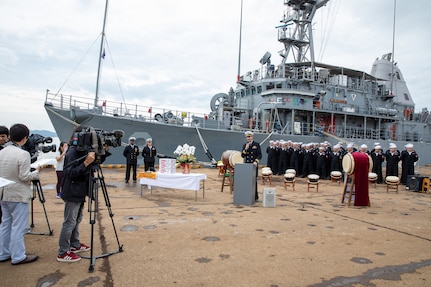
(179, 54)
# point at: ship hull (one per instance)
(167, 137)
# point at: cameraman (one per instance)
(15, 197)
(76, 178)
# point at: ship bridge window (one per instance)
(259, 89)
(406, 97)
(270, 86)
(397, 75)
(253, 90)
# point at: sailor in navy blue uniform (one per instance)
(408, 159)
(131, 153)
(308, 158)
(321, 163)
(378, 158)
(252, 153)
(296, 158)
(335, 158)
(149, 153)
(392, 159)
(270, 150)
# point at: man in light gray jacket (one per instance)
(15, 197)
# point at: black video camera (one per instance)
(92, 139)
(35, 144)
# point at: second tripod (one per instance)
(96, 180)
(37, 189)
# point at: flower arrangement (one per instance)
(186, 153)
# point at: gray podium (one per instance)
(244, 183)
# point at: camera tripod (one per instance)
(96, 180)
(37, 188)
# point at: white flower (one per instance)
(187, 151)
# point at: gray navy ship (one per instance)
(298, 99)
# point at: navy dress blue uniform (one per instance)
(308, 167)
(408, 158)
(131, 153)
(321, 163)
(149, 153)
(378, 158)
(335, 159)
(270, 150)
(275, 160)
(284, 160)
(252, 153)
(392, 160)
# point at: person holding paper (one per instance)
(16, 197)
(4, 137)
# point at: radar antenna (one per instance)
(296, 32)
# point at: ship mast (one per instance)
(101, 56)
(239, 48)
(393, 49)
(296, 32)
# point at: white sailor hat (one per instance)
(249, 133)
(364, 146)
(321, 148)
(392, 145)
(409, 145)
(149, 140)
(350, 145)
(378, 147)
(132, 138)
(336, 146)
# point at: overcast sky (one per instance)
(179, 54)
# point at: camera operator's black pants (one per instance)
(128, 167)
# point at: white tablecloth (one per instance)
(189, 181)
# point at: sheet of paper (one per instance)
(4, 181)
(42, 162)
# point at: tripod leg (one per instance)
(37, 188)
(42, 200)
(32, 204)
(92, 209)
(108, 205)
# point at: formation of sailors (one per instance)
(322, 158)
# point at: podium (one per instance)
(244, 183)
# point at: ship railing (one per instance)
(352, 132)
(133, 111)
